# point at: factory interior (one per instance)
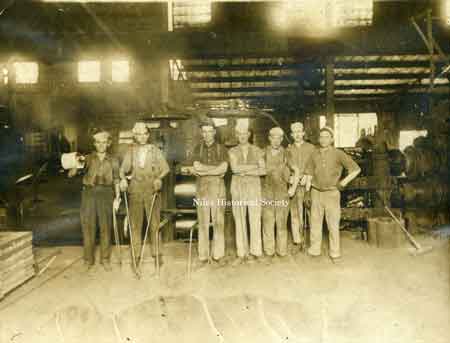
(377, 72)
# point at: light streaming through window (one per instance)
(120, 71)
(26, 72)
(89, 71)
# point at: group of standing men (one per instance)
(265, 186)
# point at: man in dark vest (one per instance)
(141, 172)
(210, 163)
(275, 202)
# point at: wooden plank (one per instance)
(12, 238)
(14, 283)
(19, 265)
(20, 251)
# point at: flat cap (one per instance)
(101, 135)
(276, 131)
(242, 126)
(328, 129)
(297, 126)
(140, 128)
(207, 122)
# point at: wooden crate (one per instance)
(16, 260)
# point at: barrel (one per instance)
(389, 234)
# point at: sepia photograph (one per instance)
(224, 171)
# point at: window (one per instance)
(407, 137)
(177, 70)
(5, 73)
(191, 14)
(120, 71)
(26, 72)
(89, 71)
(349, 126)
(322, 121)
(220, 121)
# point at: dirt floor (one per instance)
(374, 296)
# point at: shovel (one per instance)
(418, 248)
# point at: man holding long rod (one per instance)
(144, 166)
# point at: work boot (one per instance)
(88, 266)
(160, 259)
(107, 266)
(311, 254)
(337, 260)
(220, 262)
(297, 248)
(251, 259)
(238, 261)
(267, 259)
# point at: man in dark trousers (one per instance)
(100, 182)
(210, 163)
(325, 170)
(145, 166)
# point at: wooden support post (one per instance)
(164, 77)
(431, 52)
(330, 109)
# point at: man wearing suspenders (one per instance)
(145, 167)
(275, 196)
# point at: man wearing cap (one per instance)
(298, 155)
(144, 166)
(325, 170)
(100, 182)
(275, 196)
(210, 163)
(248, 165)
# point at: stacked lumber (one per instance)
(16, 260)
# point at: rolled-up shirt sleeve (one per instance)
(348, 163)
(195, 156)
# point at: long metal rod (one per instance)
(116, 235)
(133, 257)
(431, 51)
(149, 219)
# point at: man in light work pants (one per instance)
(325, 170)
(247, 164)
(275, 196)
(298, 155)
(210, 163)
